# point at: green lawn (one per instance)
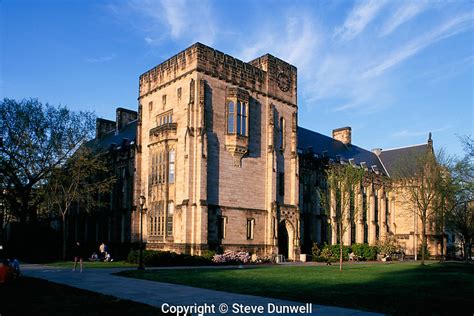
(396, 288)
(92, 264)
(30, 296)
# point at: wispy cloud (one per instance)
(450, 28)
(360, 16)
(181, 21)
(101, 59)
(406, 12)
(408, 133)
(295, 39)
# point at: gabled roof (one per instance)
(403, 161)
(333, 148)
(129, 132)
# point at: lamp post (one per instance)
(140, 256)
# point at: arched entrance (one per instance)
(283, 240)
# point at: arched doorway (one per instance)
(283, 239)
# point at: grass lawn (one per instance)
(30, 296)
(396, 288)
(91, 264)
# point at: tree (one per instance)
(418, 180)
(35, 139)
(79, 180)
(461, 217)
(342, 179)
(445, 200)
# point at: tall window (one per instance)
(222, 227)
(282, 133)
(230, 118)
(161, 219)
(156, 219)
(169, 219)
(250, 227)
(237, 118)
(154, 169)
(171, 157)
(160, 159)
(281, 183)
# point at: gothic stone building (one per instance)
(110, 220)
(223, 165)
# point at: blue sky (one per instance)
(392, 70)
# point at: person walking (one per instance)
(78, 252)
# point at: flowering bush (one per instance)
(232, 257)
(264, 259)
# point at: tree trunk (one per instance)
(467, 251)
(423, 241)
(64, 236)
(340, 248)
(442, 237)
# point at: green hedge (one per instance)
(153, 258)
(365, 251)
(330, 253)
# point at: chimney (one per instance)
(377, 151)
(102, 127)
(343, 134)
(123, 117)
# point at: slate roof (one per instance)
(403, 161)
(129, 132)
(334, 148)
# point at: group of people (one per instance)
(9, 269)
(103, 255)
(79, 253)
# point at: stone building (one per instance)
(223, 165)
(217, 161)
(110, 221)
(383, 208)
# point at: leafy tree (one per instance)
(36, 139)
(78, 181)
(341, 180)
(461, 217)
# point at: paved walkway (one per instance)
(158, 293)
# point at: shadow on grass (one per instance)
(401, 289)
(30, 296)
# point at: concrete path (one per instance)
(157, 294)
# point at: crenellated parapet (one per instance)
(266, 75)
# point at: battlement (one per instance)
(258, 75)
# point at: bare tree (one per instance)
(81, 178)
(418, 180)
(342, 179)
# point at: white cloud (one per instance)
(101, 59)
(297, 44)
(405, 13)
(182, 21)
(408, 133)
(450, 28)
(360, 16)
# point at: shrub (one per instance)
(232, 257)
(427, 252)
(208, 254)
(315, 250)
(167, 258)
(326, 253)
(365, 251)
(387, 246)
(263, 259)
